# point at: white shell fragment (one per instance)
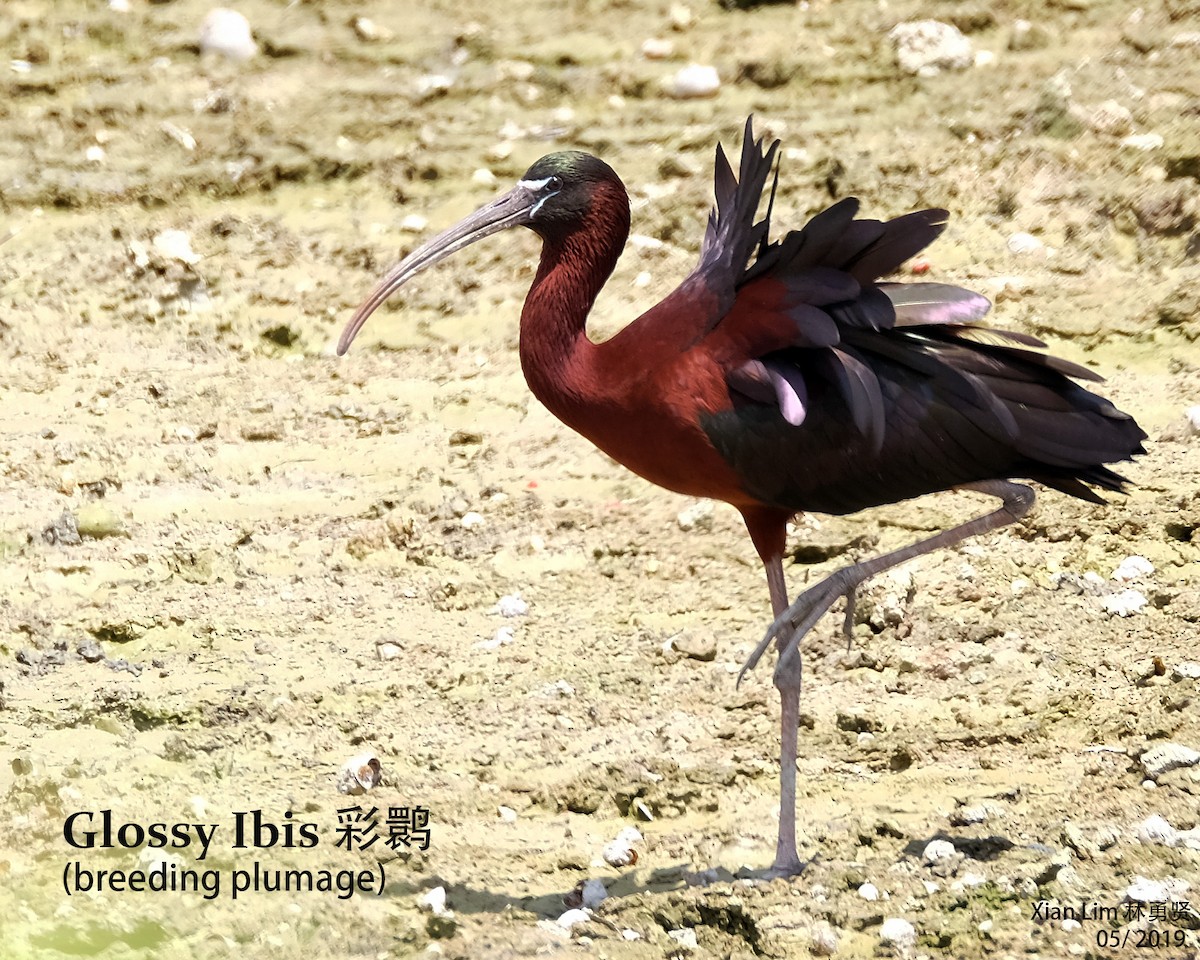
(899, 933)
(1124, 604)
(694, 82)
(434, 901)
(227, 33)
(1167, 757)
(1132, 568)
(937, 850)
(927, 47)
(176, 245)
(572, 917)
(511, 605)
(360, 774)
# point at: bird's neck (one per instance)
(556, 354)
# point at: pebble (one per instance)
(1193, 418)
(471, 519)
(824, 939)
(699, 516)
(507, 814)
(175, 245)
(1022, 244)
(571, 917)
(90, 651)
(1156, 830)
(1145, 890)
(1111, 118)
(594, 893)
(500, 638)
(694, 82)
(868, 891)
(978, 813)
(227, 33)
(656, 49)
(1166, 757)
(927, 47)
(359, 774)
(1124, 604)
(387, 650)
(511, 605)
(938, 850)
(368, 31)
(414, 223)
(1143, 141)
(685, 937)
(434, 901)
(899, 933)
(681, 16)
(1132, 568)
(1187, 670)
(97, 521)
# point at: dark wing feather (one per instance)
(847, 393)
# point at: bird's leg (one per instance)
(808, 608)
(787, 858)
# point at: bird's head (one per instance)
(552, 198)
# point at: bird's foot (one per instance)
(789, 867)
(791, 625)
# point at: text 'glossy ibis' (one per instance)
(784, 376)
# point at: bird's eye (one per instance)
(553, 185)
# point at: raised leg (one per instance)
(790, 626)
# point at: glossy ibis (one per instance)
(783, 376)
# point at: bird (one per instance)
(786, 376)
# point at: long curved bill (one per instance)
(512, 209)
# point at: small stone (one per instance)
(1145, 890)
(938, 850)
(97, 521)
(511, 605)
(926, 47)
(681, 16)
(824, 939)
(507, 814)
(655, 49)
(63, 531)
(694, 82)
(471, 519)
(899, 933)
(1187, 670)
(1132, 568)
(387, 650)
(175, 245)
(977, 813)
(571, 917)
(434, 901)
(1143, 141)
(696, 645)
(1024, 244)
(1124, 604)
(685, 937)
(227, 34)
(414, 223)
(500, 638)
(368, 31)
(1166, 757)
(1110, 118)
(699, 516)
(90, 651)
(868, 891)
(1156, 830)
(1193, 418)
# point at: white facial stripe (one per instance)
(533, 185)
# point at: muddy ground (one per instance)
(232, 561)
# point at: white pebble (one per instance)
(433, 83)
(414, 223)
(926, 47)
(1132, 568)
(698, 516)
(227, 33)
(511, 605)
(507, 814)
(937, 850)
(1025, 243)
(1157, 830)
(868, 891)
(630, 935)
(655, 49)
(95, 154)
(1018, 586)
(824, 939)
(1110, 117)
(685, 937)
(175, 245)
(434, 901)
(898, 932)
(694, 81)
(1145, 890)
(594, 893)
(1168, 756)
(1143, 141)
(471, 519)
(387, 649)
(572, 917)
(1187, 670)
(1193, 418)
(1069, 925)
(1124, 604)
(484, 176)
(500, 638)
